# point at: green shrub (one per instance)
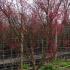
(46, 67)
(25, 67)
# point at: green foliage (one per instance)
(56, 65)
(47, 67)
(25, 67)
(60, 64)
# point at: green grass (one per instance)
(60, 64)
(54, 65)
(57, 65)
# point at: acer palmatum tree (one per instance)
(40, 27)
(56, 16)
(16, 18)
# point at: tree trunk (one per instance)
(22, 50)
(33, 58)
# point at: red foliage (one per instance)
(1, 27)
(35, 23)
(57, 27)
(52, 15)
(51, 48)
(13, 45)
